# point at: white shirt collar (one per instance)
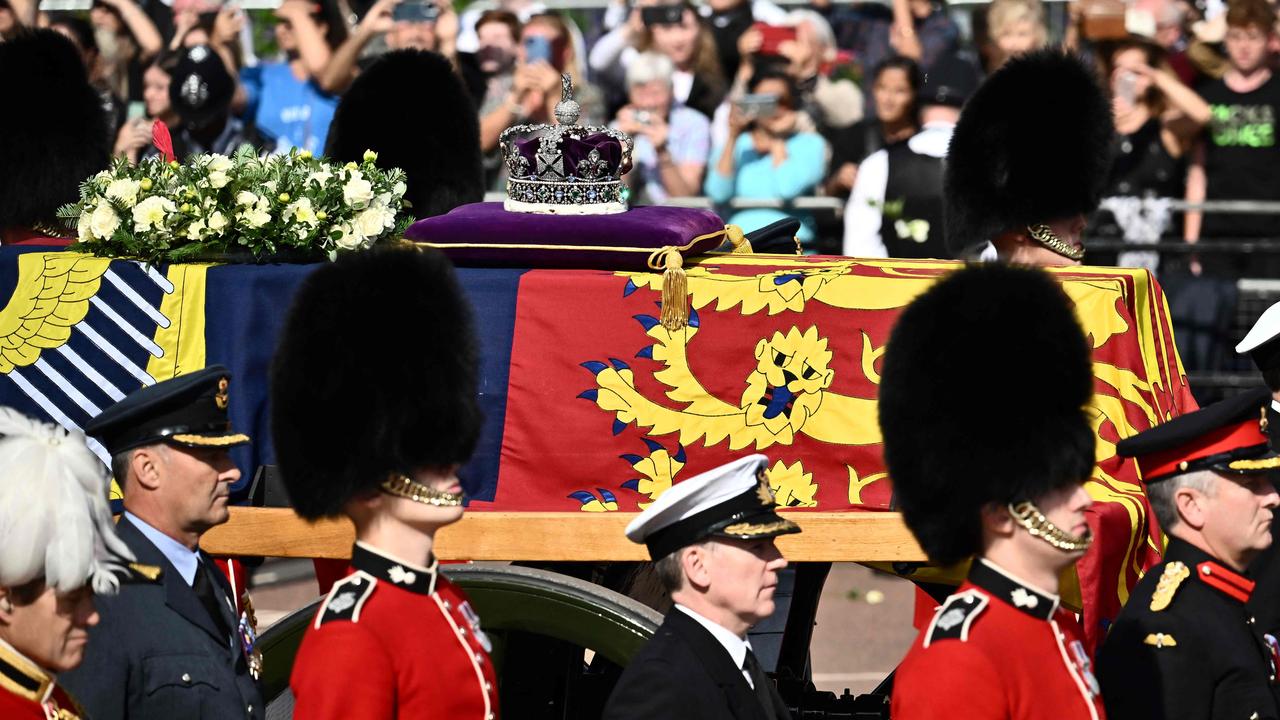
(1275, 405)
(737, 647)
(183, 559)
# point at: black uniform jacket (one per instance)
(1202, 656)
(157, 655)
(684, 672)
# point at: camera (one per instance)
(662, 15)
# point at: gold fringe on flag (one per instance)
(675, 287)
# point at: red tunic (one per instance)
(29, 693)
(998, 649)
(394, 640)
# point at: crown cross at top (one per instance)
(565, 169)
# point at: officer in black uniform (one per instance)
(175, 649)
(1185, 645)
(1262, 344)
(711, 539)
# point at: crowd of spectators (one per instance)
(744, 99)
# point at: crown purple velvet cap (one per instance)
(486, 235)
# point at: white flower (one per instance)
(357, 192)
(126, 191)
(219, 163)
(347, 239)
(244, 197)
(218, 179)
(398, 189)
(372, 222)
(104, 221)
(255, 217)
(217, 222)
(196, 230)
(150, 213)
(301, 211)
(84, 227)
(320, 177)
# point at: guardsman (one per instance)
(711, 538)
(395, 638)
(1262, 344)
(1185, 645)
(59, 551)
(988, 461)
(1028, 160)
(177, 648)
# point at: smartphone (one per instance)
(756, 106)
(773, 36)
(537, 48)
(1127, 86)
(415, 11)
(662, 15)
(136, 110)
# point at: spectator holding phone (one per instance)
(672, 142)
(127, 40)
(730, 20)
(392, 25)
(894, 86)
(809, 52)
(672, 29)
(765, 155)
(284, 99)
(133, 142)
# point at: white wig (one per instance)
(55, 522)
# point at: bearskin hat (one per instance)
(53, 133)
(411, 108)
(1033, 144)
(374, 374)
(982, 400)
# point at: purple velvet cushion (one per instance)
(485, 235)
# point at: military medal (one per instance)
(248, 631)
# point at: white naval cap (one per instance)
(732, 500)
(1260, 342)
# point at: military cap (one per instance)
(1229, 436)
(730, 501)
(1263, 340)
(189, 410)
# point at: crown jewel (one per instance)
(565, 169)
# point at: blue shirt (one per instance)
(287, 111)
(756, 177)
(182, 558)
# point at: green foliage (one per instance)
(214, 204)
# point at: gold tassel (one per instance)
(741, 245)
(675, 287)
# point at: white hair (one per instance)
(54, 517)
(648, 67)
(821, 28)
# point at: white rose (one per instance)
(255, 217)
(348, 240)
(195, 231)
(104, 221)
(150, 213)
(320, 177)
(217, 222)
(301, 211)
(398, 189)
(218, 179)
(219, 163)
(84, 227)
(244, 197)
(357, 192)
(371, 222)
(126, 191)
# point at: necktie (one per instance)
(762, 683)
(209, 597)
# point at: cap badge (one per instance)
(221, 399)
(763, 491)
(1173, 575)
